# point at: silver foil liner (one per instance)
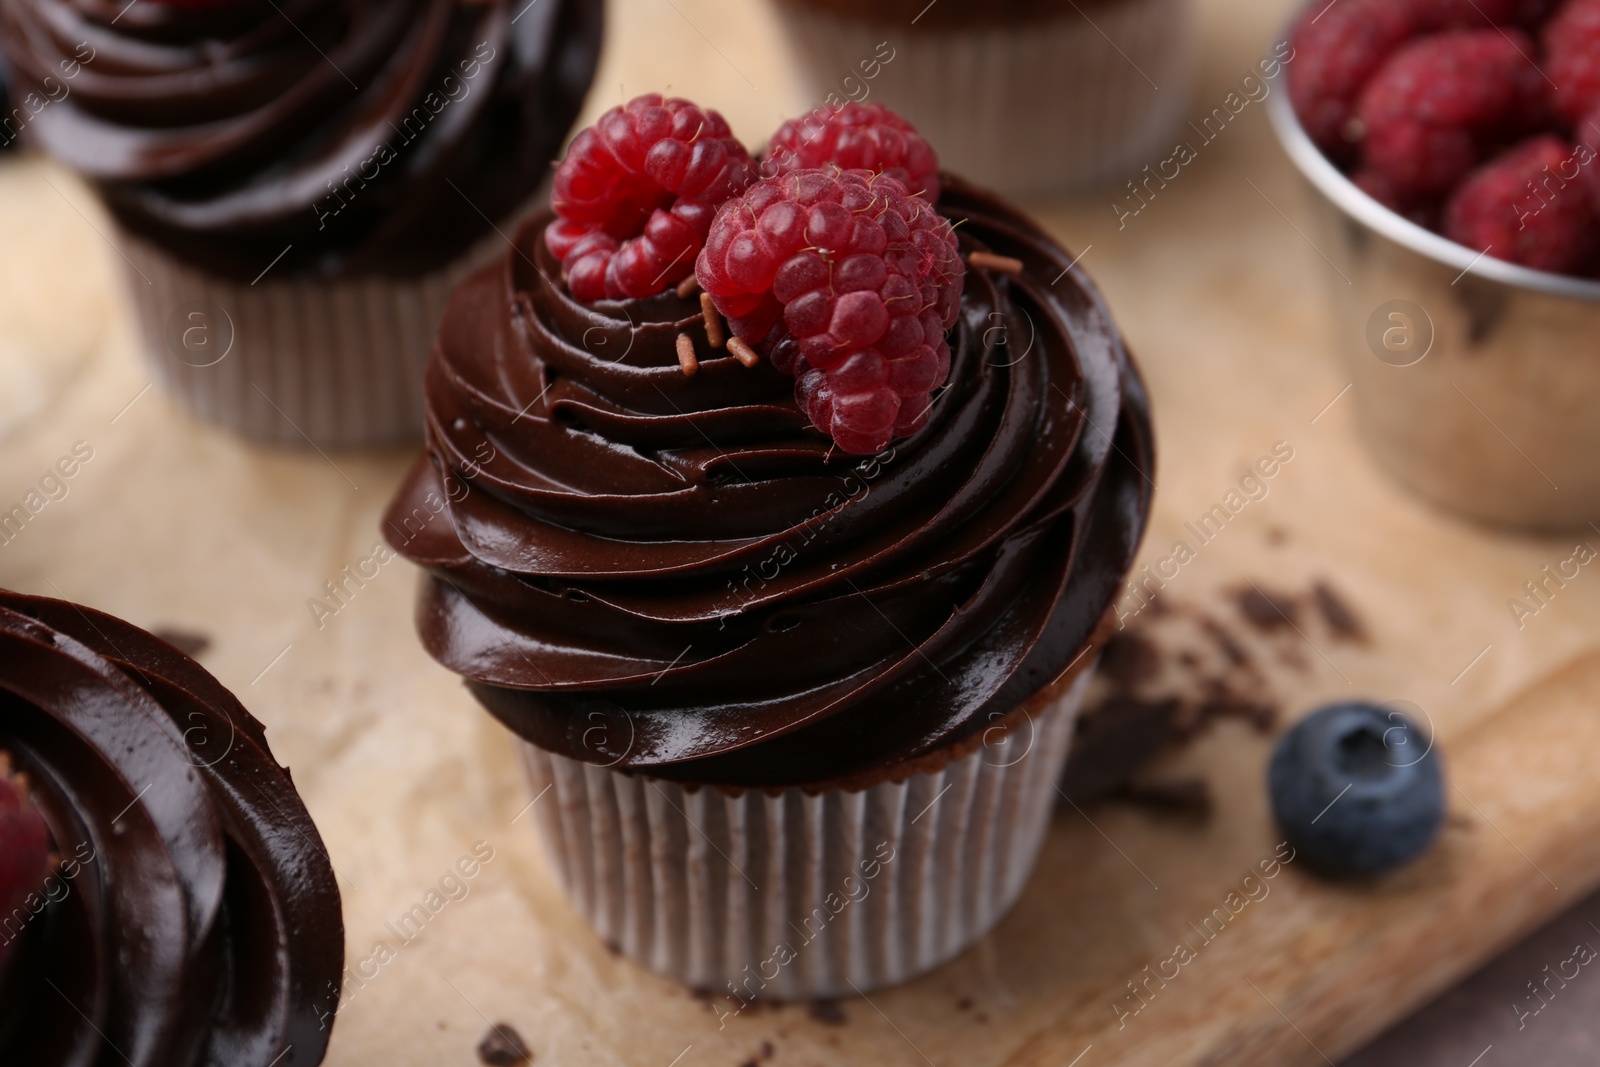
(1031, 106)
(1476, 382)
(792, 895)
(329, 363)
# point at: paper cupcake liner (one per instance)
(1023, 107)
(329, 363)
(792, 895)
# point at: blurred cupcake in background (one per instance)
(1029, 96)
(298, 186)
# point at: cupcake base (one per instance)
(1023, 106)
(797, 894)
(330, 363)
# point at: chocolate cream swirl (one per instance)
(366, 136)
(194, 918)
(677, 575)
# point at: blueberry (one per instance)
(1357, 789)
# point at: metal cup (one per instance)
(1476, 381)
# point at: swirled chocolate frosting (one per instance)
(193, 918)
(678, 575)
(365, 136)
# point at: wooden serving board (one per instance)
(174, 525)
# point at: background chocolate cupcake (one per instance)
(189, 914)
(1029, 96)
(298, 185)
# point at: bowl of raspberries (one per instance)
(1453, 147)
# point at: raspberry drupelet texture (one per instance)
(636, 195)
(1529, 206)
(24, 844)
(849, 282)
(1440, 104)
(856, 137)
(1572, 58)
(1336, 51)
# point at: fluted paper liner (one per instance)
(791, 895)
(333, 363)
(1027, 106)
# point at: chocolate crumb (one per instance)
(1130, 658)
(503, 1047)
(827, 1012)
(191, 643)
(1265, 611)
(964, 1004)
(1231, 648)
(767, 1050)
(1277, 535)
(1343, 621)
(750, 1063)
(981, 1017)
(1261, 716)
(1186, 795)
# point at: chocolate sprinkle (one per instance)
(827, 1012)
(502, 1046)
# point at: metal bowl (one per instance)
(1476, 381)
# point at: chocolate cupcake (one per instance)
(763, 679)
(297, 186)
(1029, 96)
(190, 914)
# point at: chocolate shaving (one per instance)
(502, 1046)
(1266, 611)
(1343, 621)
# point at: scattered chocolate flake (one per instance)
(981, 1017)
(1130, 658)
(827, 1012)
(767, 1050)
(190, 642)
(503, 1047)
(1277, 535)
(1266, 611)
(964, 1004)
(1230, 647)
(1339, 616)
(1185, 795)
(1114, 740)
(752, 1062)
(1264, 717)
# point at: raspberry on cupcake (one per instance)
(856, 137)
(636, 195)
(860, 278)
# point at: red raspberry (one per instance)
(1337, 49)
(1528, 207)
(1424, 211)
(1588, 157)
(24, 845)
(1476, 14)
(866, 279)
(637, 193)
(1437, 106)
(856, 137)
(1572, 45)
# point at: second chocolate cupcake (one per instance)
(298, 186)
